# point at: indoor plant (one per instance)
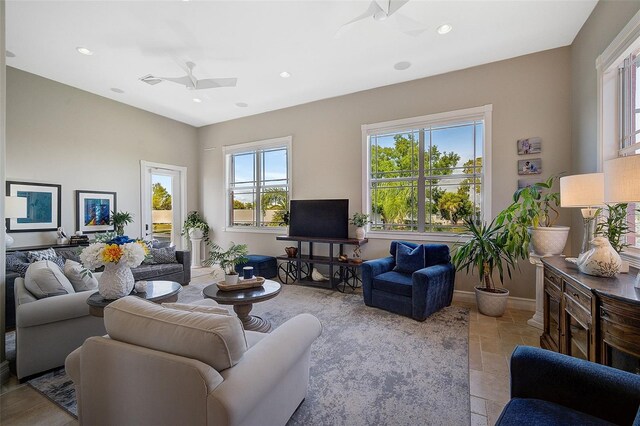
(614, 227)
(487, 249)
(119, 220)
(195, 227)
(117, 256)
(360, 220)
(530, 220)
(228, 259)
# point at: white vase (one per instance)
(196, 234)
(116, 281)
(231, 279)
(360, 233)
(492, 304)
(548, 241)
(601, 261)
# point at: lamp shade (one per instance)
(622, 180)
(15, 207)
(585, 190)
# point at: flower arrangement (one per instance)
(116, 250)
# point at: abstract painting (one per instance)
(93, 211)
(43, 206)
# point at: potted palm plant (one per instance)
(530, 220)
(485, 251)
(195, 227)
(119, 220)
(228, 259)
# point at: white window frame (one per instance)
(227, 151)
(608, 130)
(476, 113)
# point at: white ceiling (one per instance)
(256, 40)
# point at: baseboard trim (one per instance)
(519, 303)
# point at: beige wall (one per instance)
(606, 21)
(530, 97)
(59, 134)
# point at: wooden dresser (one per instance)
(593, 318)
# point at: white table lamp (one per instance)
(14, 208)
(586, 191)
(622, 183)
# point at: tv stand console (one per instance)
(299, 268)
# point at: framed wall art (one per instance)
(530, 167)
(43, 206)
(93, 211)
(529, 146)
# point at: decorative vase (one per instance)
(231, 279)
(492, 303)
(291, 251)
(548, 241)
(196, 234)
(120, 230)
(601, 261)
(360, 233)
(116, 281)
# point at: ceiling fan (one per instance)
(386, 11)
(190, 82)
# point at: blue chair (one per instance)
(549, 388)
(415, 281)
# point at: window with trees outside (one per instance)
(427, 174)
(258, 183)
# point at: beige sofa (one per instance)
(49, 329)
(164, 367)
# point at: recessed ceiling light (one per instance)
(197, 100)
(9, 54)
(84, 51)
(242, 105)
(444, 28)
(401, 66)
(285, 74)
(117, 90)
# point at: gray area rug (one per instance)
(369, 367)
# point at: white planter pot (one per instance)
(231, 279)
(360, 233)
(549, 241)
(601, 261)
(116, 281)
(196, 234)
(492, 304)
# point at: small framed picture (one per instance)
(530, 167)
(526, 182)
(529, 146)
(43, 206)
(93, 211)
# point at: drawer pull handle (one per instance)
(576, 295)
(604, 314)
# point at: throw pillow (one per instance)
(58, 260)
(161, 255)
(18, 264)
(197, 308)
(409, 260)
(73, 271)
(48, 254)
(45, 279)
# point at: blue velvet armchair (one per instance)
(416, 292)
(549, 388)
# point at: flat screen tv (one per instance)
(319, 218)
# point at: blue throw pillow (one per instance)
(409, 260)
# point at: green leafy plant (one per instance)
(533, 206)
(196, 221)
(485, 250)
(120, 220)
(359, 219)
(285, 219)
(615, 226)
(228, 259)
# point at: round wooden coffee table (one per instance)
(243, 300)
(157, 291)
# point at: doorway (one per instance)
(163, 202)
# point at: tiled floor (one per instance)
(491, 341)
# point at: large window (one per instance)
(426, 174)
(258, 183)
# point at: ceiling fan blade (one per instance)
(405, 24)
(394, 5)
(186, 81)
(371, 10)
(212, 83)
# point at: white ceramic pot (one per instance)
(549, 241)
(490, 303)
(601, 261)
(116, 281)
(196, 234)
(360, 233)
(231, 279)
